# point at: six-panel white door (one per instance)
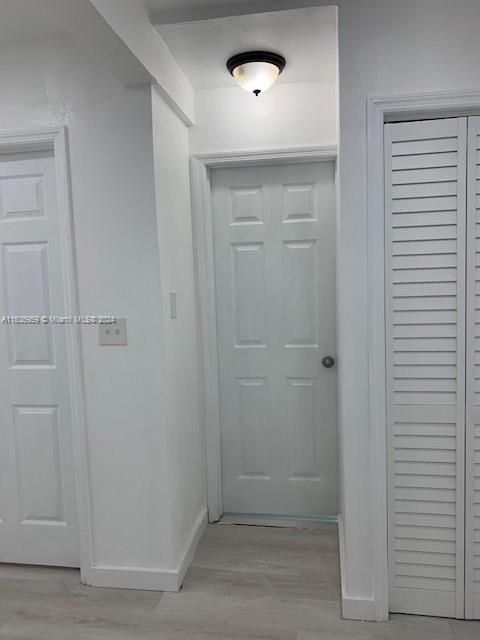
(38, 523)
(275, 287)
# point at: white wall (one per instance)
(292, 114)
(135, 439)
(386, 47)
(181, 383)
(131, 22)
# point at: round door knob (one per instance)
(328, 362)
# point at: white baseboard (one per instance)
(154, 579)
(358, 608)
(186, 556)
(353, 608)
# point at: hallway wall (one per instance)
(296, 114)
(181, 373)
(135, 439)
(385, 48)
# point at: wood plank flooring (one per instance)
(246, 583)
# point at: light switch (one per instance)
(114, 334)
(173, 305)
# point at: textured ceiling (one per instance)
(306, 37)
(25, 20)
(165, 11)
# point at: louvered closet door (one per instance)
(425, 169)
(472, 533)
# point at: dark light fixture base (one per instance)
(256, 56)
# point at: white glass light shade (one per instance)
(256, 77)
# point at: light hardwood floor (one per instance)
(246, 583)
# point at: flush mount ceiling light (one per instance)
(256, 71)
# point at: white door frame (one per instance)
(201, 166)
(56, 141)
(381, 110)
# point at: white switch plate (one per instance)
(173, 305)
(114, 334)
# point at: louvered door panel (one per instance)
(472, 537)
(425, 283)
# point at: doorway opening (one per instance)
(274, 260)
(268, 310)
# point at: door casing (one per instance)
(200, 167)
(380, 110)
(56, 140)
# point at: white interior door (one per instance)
(275, 285)
(425, 175)
(472, 530)
(37, 497)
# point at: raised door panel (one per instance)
(298, 202)
(303, 438)
(247, 205)
(253, 427)
(248, 291)
(27, 293)
(425, 311)
(300, 298)
(21, 196)
(37, 449)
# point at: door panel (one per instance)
(472, 537)
(38, 523)
(425, 164)
(275, 287)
